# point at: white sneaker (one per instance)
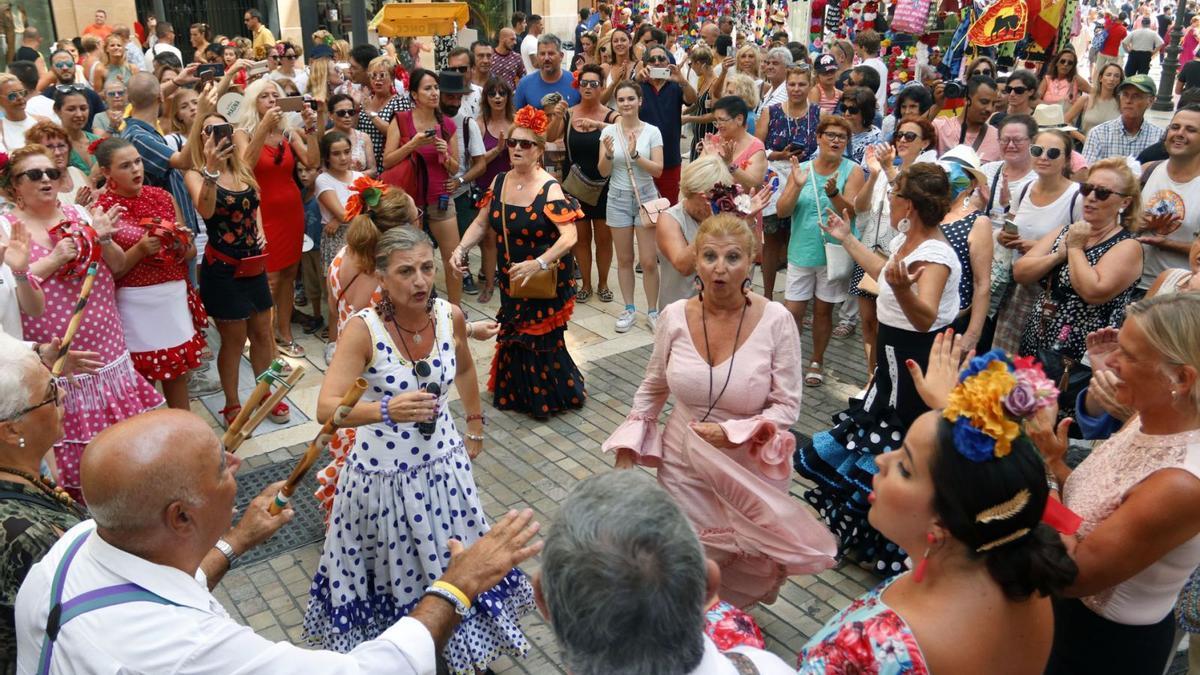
(652, 321)
(626, 320)
(200, 383)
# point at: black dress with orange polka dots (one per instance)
(532, 371)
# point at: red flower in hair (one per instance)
(575, 79)
(366, 195)
(95, 144)
(533, 119)
(3, 161)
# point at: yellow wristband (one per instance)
(454, 590)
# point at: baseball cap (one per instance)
(1141, 82)
(826, 64)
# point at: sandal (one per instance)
(230, 413)
(814, 375)
(605, 295)
(844, 330)
(280, 414)
(485, 294)
(324, 334)
(583, 295)
(290, 349)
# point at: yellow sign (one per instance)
(1005, 21)
(420, 18)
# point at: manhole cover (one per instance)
(306, 527)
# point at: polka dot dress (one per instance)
(400, 498)
(94, 402)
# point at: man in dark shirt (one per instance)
(1158, 152)
(62, 64)
(28, 51)
(662, 100)
(1189, 77)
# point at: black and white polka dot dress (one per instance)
(400, 498)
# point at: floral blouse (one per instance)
(865, 637)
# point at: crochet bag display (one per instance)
(911, 16)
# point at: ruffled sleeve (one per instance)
(639, 432)
(562, 211)
(485, 199)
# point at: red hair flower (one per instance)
(575, 79)
(533, 119)
(366, 195)
(94, 144)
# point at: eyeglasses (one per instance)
(525, 145)
(829, 135)
(1102, 193)
(909, 136)
(345, 113)
(37, 174)
(589, 84)
(53, 395)
(118, 93)
(1019, 91)
(1009, 140)
(17, 95)
(1051, 154)
(64, 65)
(657, 59)
(456, 69)
(718, 121)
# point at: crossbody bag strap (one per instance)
(992, 194)
(812, 178)
(629, 163)
(979, 137)
(504, 219)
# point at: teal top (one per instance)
(806, 246)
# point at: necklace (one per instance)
(47, 487)
(708, 354)
(401, 330)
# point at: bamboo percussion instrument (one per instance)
(259, 405)
(318, 445)
(76, 319)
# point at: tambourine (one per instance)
(175, 241)
(87, 246)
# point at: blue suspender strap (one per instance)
(62, 612)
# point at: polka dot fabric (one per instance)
(400, 499)
(94, 402)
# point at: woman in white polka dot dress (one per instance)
(407, 487)
(116, 391)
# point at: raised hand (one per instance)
(897, 276)
(1101, 346)
(837, 226)
(16, 255)
(105, 222)
(946, 359)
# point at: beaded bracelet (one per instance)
(383, 410)
(480, 417)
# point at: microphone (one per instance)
(426, 429)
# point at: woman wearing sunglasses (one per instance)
(495, 119)
(858, 108)
(115, 390)
(345, 118)
(1018, 96)
(377, 111)
(288, 55)
(115, 100)
(1061, 81)
(1045, 205)
(1086, 272)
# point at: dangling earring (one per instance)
(903, 225)
(429, 304)
(923, 566)
(386, 309)
(698, 283)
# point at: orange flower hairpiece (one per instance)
(533, 119)
(575, 79)
(366, 194)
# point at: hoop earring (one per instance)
(698, 283)
(903, 226)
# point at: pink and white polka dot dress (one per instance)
(92, 402)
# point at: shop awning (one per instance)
(420, 18)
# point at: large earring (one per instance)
(904, 224)
(923, 566)
(698, 283)
(385, 307)
(429, 303)
(746, 289)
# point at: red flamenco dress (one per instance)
(160, 310)
(282, 208)
(532, 371)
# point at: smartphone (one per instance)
(257, 68)
(290, 103)
(659, 73)
(1010, 227)
(221, 132)
(210, 71)
(430, 132)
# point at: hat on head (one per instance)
(964, 156)
(1050, 116)
(320, 52)
(778, 17)
(453, 82)
(1142, 82)
(826, 63)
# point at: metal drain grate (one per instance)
(307, 525)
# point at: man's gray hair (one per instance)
(624, 579)
(17, 360)
(782, 54)
(550, 39)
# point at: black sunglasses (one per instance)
(909, 136)
(345, 113)
(589, 84)
(38, 174)
(514, 142)
(1051, 153)
(1102, 193)
(53, 395)
(847, 110)
(1019, 91)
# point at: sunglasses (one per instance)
(38, 174)
(657, 59)
(17, 95)
(53, 395)
(1051, 153)
(1102, 193)
(514, 142)
(504, 94)
(847, 110)
(67, 88)
(120, 93)
(380, 76)
(1066, 63)
(345, 113)
(289, 57)
(983, 72)
(589, 84)
(1019, 91)
(456, 69)
(64, 65)
(909, 136)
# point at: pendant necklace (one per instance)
(415, 333)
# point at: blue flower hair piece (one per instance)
(980, 363)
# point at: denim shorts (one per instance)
(624, 206)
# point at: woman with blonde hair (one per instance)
(620, 66)
(1101, 105)
(749, 62)
(320, 67)
(272, 150)
(377, 110)
(743, 87)
(113, 65)
(678, 226)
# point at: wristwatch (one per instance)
(542, 264)
(226, 550)
(634, 155)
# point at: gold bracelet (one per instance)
(453, 590)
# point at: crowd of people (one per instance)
(1016, 242)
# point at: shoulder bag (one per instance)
(648, 211)
(577, 183)
(409, 174)
(543, 285)
(868, 283)
(1069, 374)
(838, 263)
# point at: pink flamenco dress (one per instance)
(1187, 50)
(92, 402)
(737, 499)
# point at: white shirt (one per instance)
(12, 134)
(528, 51)
(716, 663)
(161, 48)
(472, 102)
(1014, 187)
(300, 79)
(773, 96)
(10, 311)
(1163, 195)
(881, 93)
(326, 182)
(42, 106)
(466, 125)
(193, 636)
(932, 251)
(649, 137)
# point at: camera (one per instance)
(954, 89)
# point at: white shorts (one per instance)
(804, 282)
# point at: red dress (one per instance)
(282, 208)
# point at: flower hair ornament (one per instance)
(533, 119)
(365, 195)
(730, 199)
(91, 148)
(5, 179)
(575, 80)
(994, 395)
